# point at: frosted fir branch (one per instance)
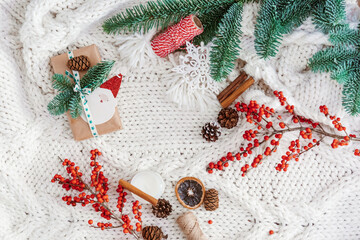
(159, 14)
(226, 45)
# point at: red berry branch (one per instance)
(95, 194)
(270, 129)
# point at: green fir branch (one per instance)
(343, 35)
(75, 106)
(345, 71)
(159, 14)
(227, 43)
(96, 75)
(276, 18)
(294, 13)
(61, 102)
(211, 23)
(329, 59)
(351, 95)
(62, 83)
(267, 30)
(329, 14)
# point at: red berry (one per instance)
(210, 221)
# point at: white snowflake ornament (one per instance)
(195, 68)
(194, 88)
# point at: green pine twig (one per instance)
(345, 36)
(211, 23)
(75, 106)
(62, 83)
(329, 14)
(267, 30)
(227, 43)
(345, 71)
(351, 95)
(329, 59)
(159, 14)
(276, 18)
(61, 102)
(96, 75)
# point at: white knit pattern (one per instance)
(317, 198)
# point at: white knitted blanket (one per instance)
(317, 198)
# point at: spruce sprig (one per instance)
(75, 106)
(61, 103)
(329, 59)
(267, 30)
(344, 36)
(159, 14)
(351, 94)
(344, 72)
(62, 83)
(227, 43)
(211, 23)
(329, 14)
(342, 60)
(96, 75)
(276, 18)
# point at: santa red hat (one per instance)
(113, 84)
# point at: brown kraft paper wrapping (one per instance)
(79, 127)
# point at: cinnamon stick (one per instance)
(237, 92)
(138, 192)
(231, 88)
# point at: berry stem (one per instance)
(274, 131)
(113, 215)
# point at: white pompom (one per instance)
(135, 49)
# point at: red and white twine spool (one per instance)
(177, 35)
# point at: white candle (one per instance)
(150, 183)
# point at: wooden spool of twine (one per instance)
(190, 226)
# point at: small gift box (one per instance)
(85, 95)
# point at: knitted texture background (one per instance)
(317, 198)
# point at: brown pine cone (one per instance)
(211, 201)
(162, 209)
(80, 63)
(211, 132)
(228, 118)
(153, 233)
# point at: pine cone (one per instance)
(80, 63)
(211, 201)
(152, 233)
(211, 132)
(162, 209)
(228, 118)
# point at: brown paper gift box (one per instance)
(79, 127)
